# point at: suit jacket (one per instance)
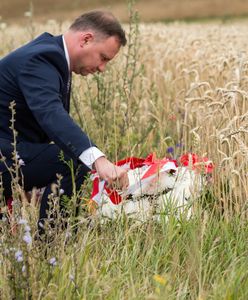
(35, 76)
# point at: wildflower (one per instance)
(21, 162)
(160, 279)
(179, 145)
(61, 191)
(23, 269)
(27, 228)
(18, 256)
(52, 261)
(22, 222)
(27, 238)
(170, 150)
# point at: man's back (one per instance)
(17, 71)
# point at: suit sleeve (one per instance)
(41, 85)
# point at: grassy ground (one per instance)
(204, 258)
(173, 83)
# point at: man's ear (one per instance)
(86, 38)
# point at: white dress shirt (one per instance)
(90, 155)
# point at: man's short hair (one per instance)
(102, 22)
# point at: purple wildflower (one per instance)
(170, 150)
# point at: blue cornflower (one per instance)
(179, 145)
(170, 150)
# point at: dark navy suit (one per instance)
(36, 77)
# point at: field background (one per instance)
(149, 11)
(181, 85)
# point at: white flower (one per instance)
(52, 261)
(61, 191)
(21, 162)
(19, 259)
(27, 228)
(27, 238)
(23, 269)
(22, 221)
(18, 256)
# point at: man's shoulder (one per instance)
(43, 44)
(46, 42)
(46, 48)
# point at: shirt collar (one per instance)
(66, 52)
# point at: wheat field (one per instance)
(157, 10)
(176, 85)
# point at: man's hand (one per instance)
(115, 176)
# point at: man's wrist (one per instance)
(90, 155)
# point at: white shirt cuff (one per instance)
(90, 155)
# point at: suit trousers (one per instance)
(40, 170)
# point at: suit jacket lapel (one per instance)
(67, 79)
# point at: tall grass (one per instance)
(175, 85)
(185, 85)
